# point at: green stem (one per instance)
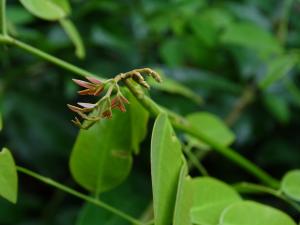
(194, 160)
(184, 125)
(3, 17)
(148, 214)
(246, 98)
(84, 197)
(47, 57)
(249, 188)
(178, 121)
(229, 153)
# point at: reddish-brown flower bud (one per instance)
(84, 84)
(98, 90)
(94, 87)
(124, 100)
(76, 121)
(74, 108)
(105, 108)
(118, 102)
(107, 114)
(94, 80)
(80, 110)
(85, 92)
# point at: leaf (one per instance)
(8, 176)
(166, 163)
(46, 9)
(251, 36)
(63, 4)
(211, 126)
(207, 25)
(139, 120)
(174, 87)
(74, 36)
(18, 15)
(131, 197)
(290, 184)
(277, 69)
(1, 121)
(293, 91)
(249, 213)
(184, 199)
(93, 215)
(172, 53)
(105, 38)
(278, 107)
(101, 157)
(211, 197)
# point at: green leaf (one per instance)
(174, 87)
(184, 199)
(101, 158)
(107, 39)
(211, 197)
(277, 69)
(74, 36)
(278, 107)
(18, 15)
(166, 163)
(249, 213)
(8, 176)
(211, 126)
(171, 51)
(139, 119)
(93, 215)
(290, 184)
(1, 121)
(293, 91)
(63, 4)
(46, 9)
(251, 36)
(208, 24)
(131, 197)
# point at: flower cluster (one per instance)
(113, 98)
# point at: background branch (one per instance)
(178, 121)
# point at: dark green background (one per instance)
(183, 38)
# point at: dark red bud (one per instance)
(94, 80)
(84, 84)
(107, 114)
(98, 90)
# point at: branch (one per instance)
(241, 104)
(178, 121)
(84, 197)
(46, 56)
(249, 188)
(182, 124)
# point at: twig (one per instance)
(182, 124)
(240, 105)
(250, 188)
(79, 195)
(177, 121)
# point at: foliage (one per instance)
(227, 108)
